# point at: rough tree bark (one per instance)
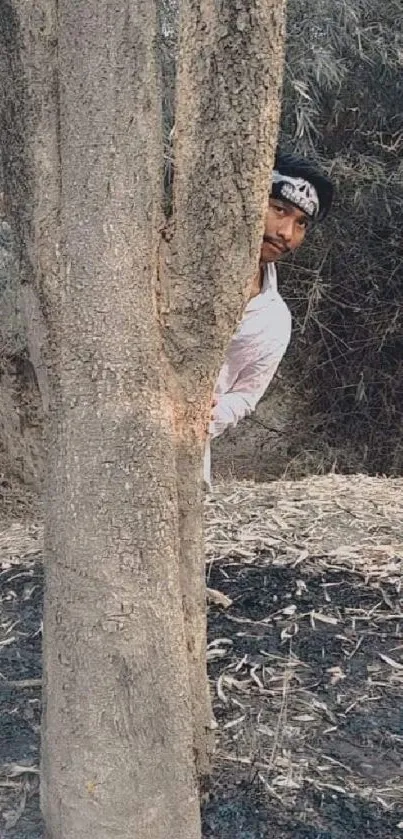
(138, 314)
(228, 94)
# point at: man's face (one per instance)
(284, 231)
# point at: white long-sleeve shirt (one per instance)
(252, 358)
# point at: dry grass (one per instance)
(344, 516)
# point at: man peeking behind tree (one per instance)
(301, 195)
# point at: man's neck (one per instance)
(257, 283)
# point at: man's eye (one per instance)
(279, 210)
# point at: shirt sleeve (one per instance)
(252, 382)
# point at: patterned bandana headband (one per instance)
(297, 191)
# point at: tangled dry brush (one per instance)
(343, 103)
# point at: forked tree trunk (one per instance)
(137, 327)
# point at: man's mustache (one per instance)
(276, 243)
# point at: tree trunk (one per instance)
(228, 99)
(136, 331)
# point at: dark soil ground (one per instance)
(299, 789)
(306, 669)
(20, 697)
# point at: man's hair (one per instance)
(299, 167)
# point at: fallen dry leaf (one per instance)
(397, 665)
(218, 598)
(321, 618)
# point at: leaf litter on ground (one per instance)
(305, 659)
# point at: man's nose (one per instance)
(286, 230)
